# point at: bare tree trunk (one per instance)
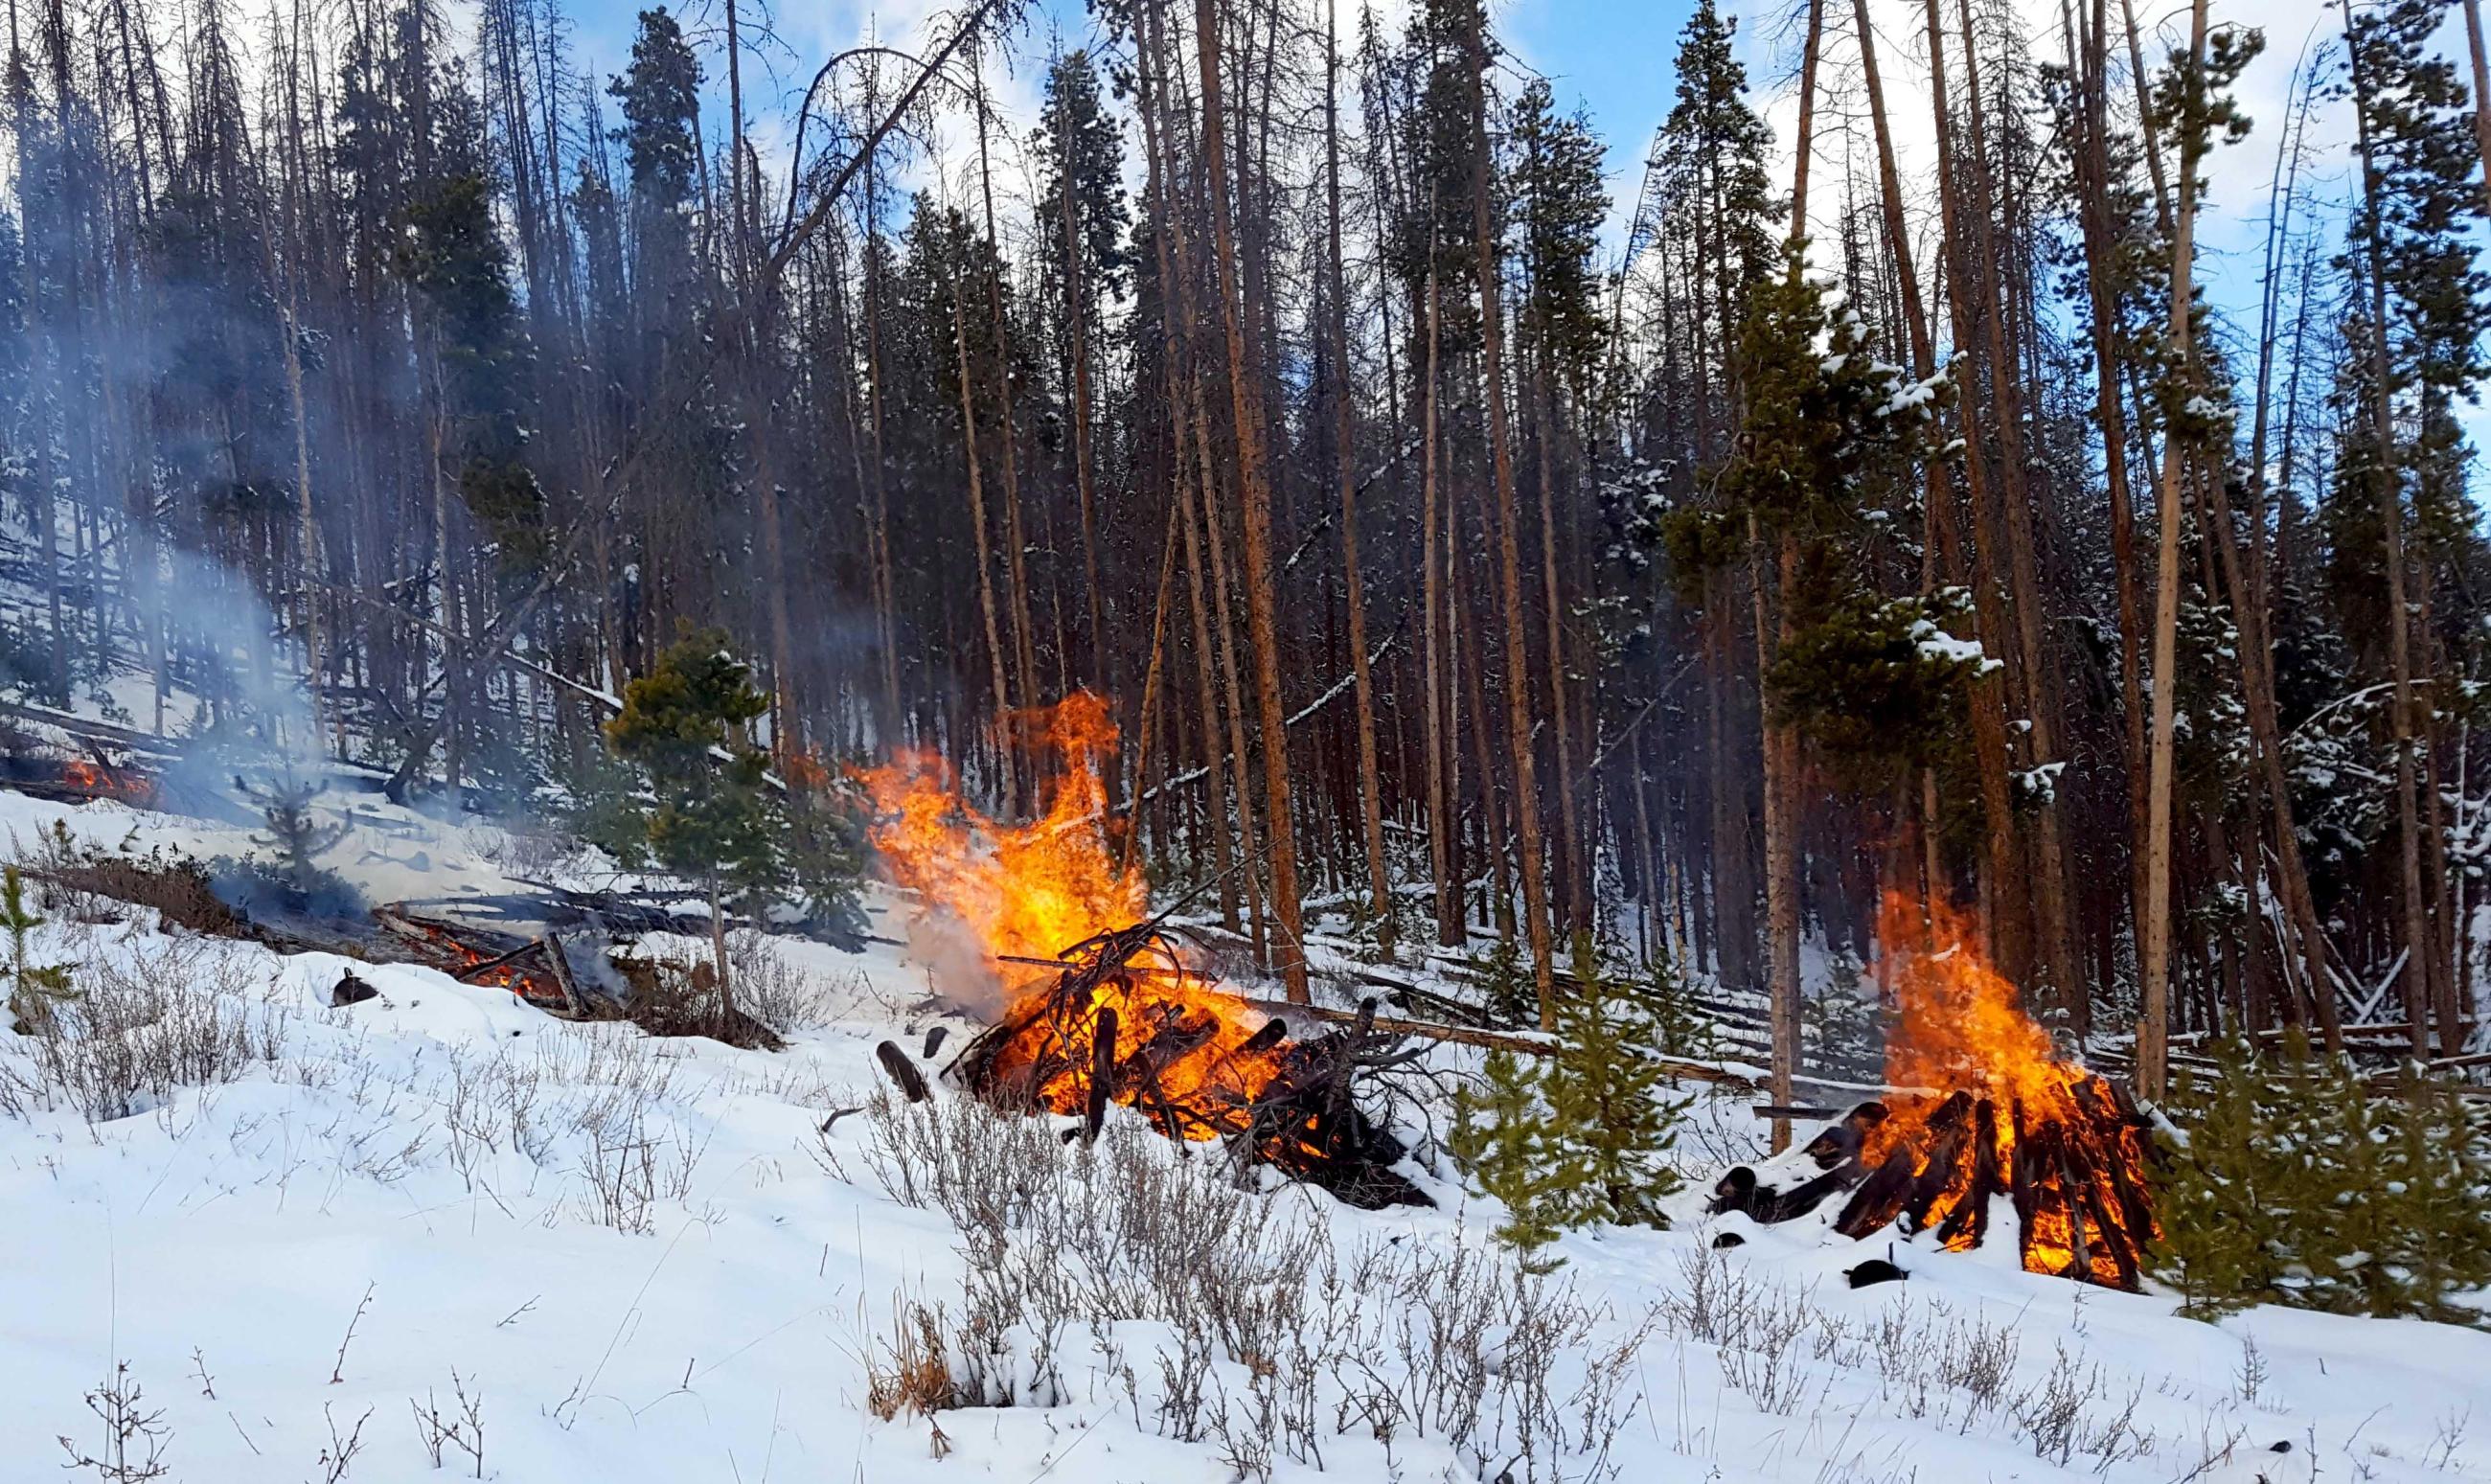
(2474, 50)
(1442, 811)
(2014, 497)
(2003, 883)
(1517, 659)
(2419, 939)
(977, 525)
(2090, 64)
(2152, 1052)
(1781, 759)
(1370, 793)
(1185, 460)
(1077, 312)
(1007, 450)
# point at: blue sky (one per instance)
(1612, 59)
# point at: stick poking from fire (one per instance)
(1120, 1016)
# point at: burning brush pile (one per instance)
(1996, 1114)
(1094, 1001)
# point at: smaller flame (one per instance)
(104, 783)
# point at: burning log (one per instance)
(1123, 1022)
(1120, 1016)
(78, 781)
(2065, 1149)
(535, 969)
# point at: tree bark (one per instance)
(1370, 793)
(1517, 661)
(2153, 1023)
(1254, 484)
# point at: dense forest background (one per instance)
(1448, 571)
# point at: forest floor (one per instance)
(438, 1234)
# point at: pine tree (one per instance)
(1503, 1140)
(2295, 1182)
(33, 989)
(710, 816)
(1614, 1123)
(458, 261)
(295, 835)
(2222, 1245)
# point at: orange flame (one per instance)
(1028, 890)
(2072, 1159)
(1184, 1051)
(83, 774)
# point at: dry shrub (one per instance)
(1263, 1336)
(85, 883)
(673, 997)
(532, 849)
(151, 1015)
(908, 1372)
(1959, 1371)
(785, 996)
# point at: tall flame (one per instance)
(2071, 1157)
(1195, 1058)
(1027, 890)
(1960, 1025)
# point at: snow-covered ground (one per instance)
(334, 1232)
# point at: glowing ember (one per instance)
(1196, 1059)
(526, 970)
(106, 783)
(2009, 1118)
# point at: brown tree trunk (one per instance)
(1076, 314)
(1781, 759)
(1443, 812)
(2474, 51)
(2090, 64)
(977, 525)
(2152, 1029)
(2057, 949)
(1517, 659)
(1254, 484)
(2418, 938)
(1370, 793)
(2002, 884)
(1184, 462)
(1006, 448)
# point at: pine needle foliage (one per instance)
(2293, 1183)
(1581, 1137)
(33, 989)
(1506, 1143)
(1616, 1121)
(708, 814)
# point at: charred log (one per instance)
(901, 1071)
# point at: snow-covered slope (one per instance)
(650, 1261)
